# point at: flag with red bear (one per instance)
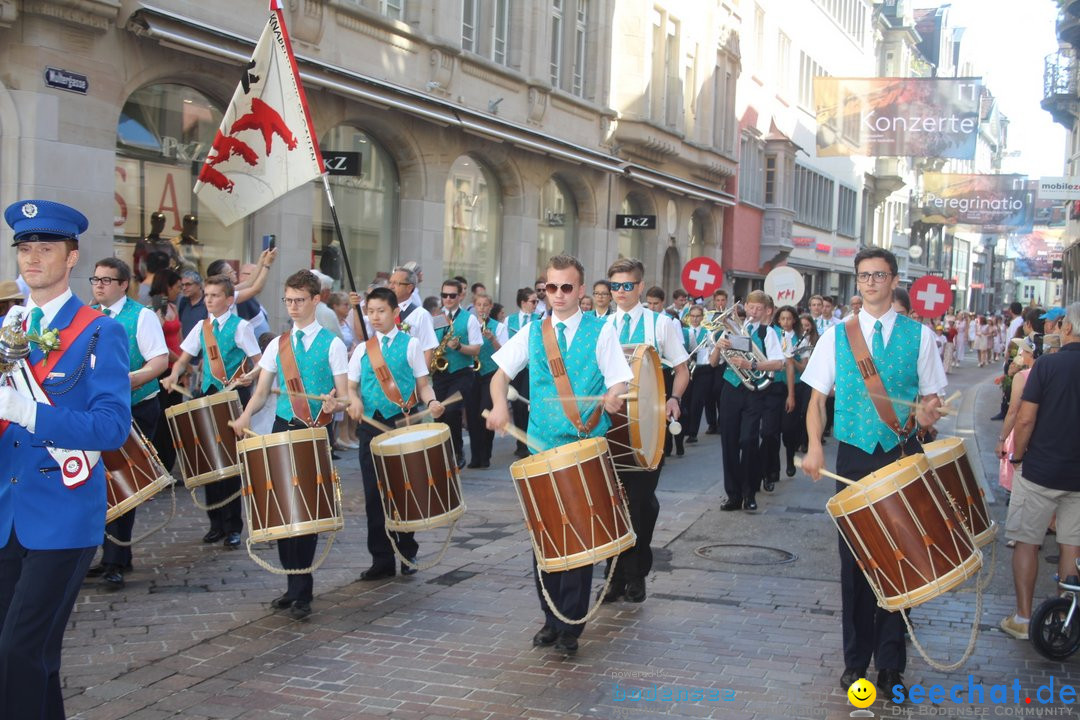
(266, 145)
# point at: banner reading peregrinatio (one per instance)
(905, 117)
(999, 200)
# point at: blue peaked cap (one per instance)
(44, 221)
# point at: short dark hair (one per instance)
(156, 261)
(477, 285)
(565, 262)
(656, 292)
(627, 265)
(721, 293)
(454, 283)
(523, 294)
(123, 271)
(679, 293)
(461, 279)
(1015, 307)
(304, 280)
(869, 253)
(223, 282)
(386, 295)
(828, 299)
(901, 296)
(217, 267)
(1032, 315)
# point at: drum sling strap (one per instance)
(876, 389)
(213, 356)
(562, 381)
(385, 377)
(295, 385)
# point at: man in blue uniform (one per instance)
(62, 405)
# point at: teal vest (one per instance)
(637, 332)
(547, 422)
(397, 361)
(729, 374)
(692, 338)
(856, 421)
(457, 360)
(487, 365)
(314, 372)
(129, 318)
(781, 375)
(513, 323)
(231, 353)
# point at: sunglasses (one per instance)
(449, 296)
(566, 288)
(624, 286)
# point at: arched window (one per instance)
(471, 227)
(365, 188)
(631, 242)
(699, 223)
(558, 223)
(162, 138)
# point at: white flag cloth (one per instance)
(266, 145)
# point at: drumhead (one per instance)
(944, 451)
(206, 401)
(410, 439)
(282, 438)
(879, 484)
(559, 458)
(647, 411)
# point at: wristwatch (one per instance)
(753, 364)
(1015, 460)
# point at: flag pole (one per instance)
(344, 254)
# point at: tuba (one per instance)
(728, 325)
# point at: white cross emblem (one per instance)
(702, 277)
(931, 297)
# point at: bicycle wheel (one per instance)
(1048, 632)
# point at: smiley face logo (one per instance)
(862, 693)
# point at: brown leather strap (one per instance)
(215, 362)
(562, 381)
(874, 387)
(385, 377)
(294, 384)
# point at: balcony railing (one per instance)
(1060, 97)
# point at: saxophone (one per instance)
(483, 326)
(439, 363)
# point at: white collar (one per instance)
(635, 313)
(49, 309)
(309, 330)
(571, 322)
(392, 334)
(116, 307)
(866, 321)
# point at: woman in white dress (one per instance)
(982, 340)
(961, 336)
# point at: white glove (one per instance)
(18, 408)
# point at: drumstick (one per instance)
(512, 394)
(250, 433)
(375, 423)
(584, 398)
(944, 408)
(517, 433)
(182, 390)
(834, 476)
(410, 419)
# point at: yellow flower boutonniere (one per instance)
(46, 340)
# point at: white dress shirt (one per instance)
(820, 372)
(513, 356)
(413, 353)
(245, 337)
(339, 356)
(773, 349)
(48, 310)
(148, 333)
(664, 335)
(420, 327)
(475, 336)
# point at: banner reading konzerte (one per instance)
(1003, 201)
(905, 117)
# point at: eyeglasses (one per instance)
(624, 286)
(449, 296)
(186, 284)
(106, 281)
(294, 300)
(531, 301)
(566, 288)
(879, 276)
(602, 294)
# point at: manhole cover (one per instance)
(746, 554)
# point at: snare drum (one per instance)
(417, 477)
(133, 474)
(205, 442)
(950, 462)
(636, 436)
(905, 534)
(290, 487)
(574, 507)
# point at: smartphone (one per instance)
(269, 242)
(740, 343)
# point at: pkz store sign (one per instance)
(342, 163)
(66, 80)
(635, 222)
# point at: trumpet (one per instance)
(728, 325)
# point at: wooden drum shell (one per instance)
(418, 478)
(948, 458)
(205, 442)
(133, 474)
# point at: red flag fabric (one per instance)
(266, 145)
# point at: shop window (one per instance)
(471, 227)
(557, 231)
(632, 242)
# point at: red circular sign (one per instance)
(931, 296)
(702, 277)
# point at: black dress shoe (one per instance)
(850, 676)
(232, 540)
(213, 536)
(113, 577)
(999, 416)
(691, 439)
(887, 679)
(96, 571)
(282, 602)
(770, 486)
(566, 644)
(473, 465)
(300, 610)
(750, 504)
(547, 635)
(333, 456)
(377, 573)
(730, 505)
(461, 463)
(711, 430)
(680, 452)
(614, 593)
(790, 471)
(407, 570)
(635, 590)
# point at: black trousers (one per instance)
(570, 591)
(230, 517)
(480, 438)
(378, 543)
(446, 384)
(38, 589)
(699, 400)
(162, 439)
(869, 631)
(640, 485)
(669, 439)
(740, 433)
(145, 415)
(719, 385)
(296, 552)
(793, 425)
(772, 415)
(520, 409)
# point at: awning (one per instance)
(648, 176)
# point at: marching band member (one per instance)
(908, 365)
(225, 342)
(793, 422)
(636, 324)
(320, 360)
(458, 352)
(741, 408)
(387, 400)
(698, 343)
(414, 319)
(776, 398)
(654, 300)
(74, 402)
(595, 366)
(148, 357)
(494, 336)
(601, 293)
(526, 302)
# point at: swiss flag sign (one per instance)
(266, 145)
(702, 276)
(931, 296)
